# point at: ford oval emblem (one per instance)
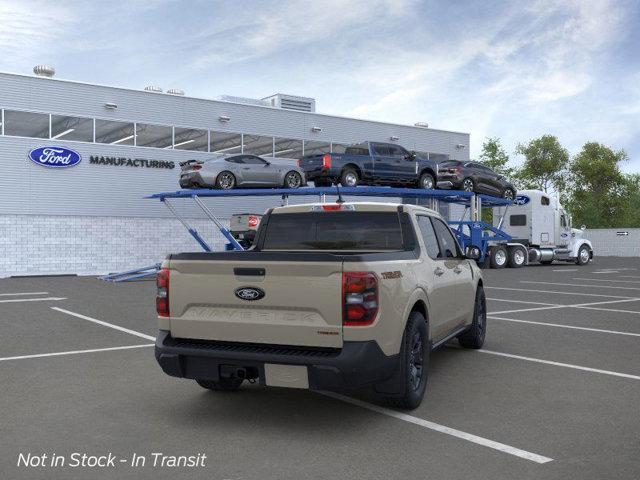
(521, 200)
(55, 157)
(249, 293)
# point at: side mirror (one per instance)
(472, 252)
(267, 164)
(410, 156)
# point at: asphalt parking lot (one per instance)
(555, 393)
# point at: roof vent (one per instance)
(244, 100)
(44, 71)
(422, 124)
(292, 102)
(175, 91)
(153, 88)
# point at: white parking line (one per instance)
(100, 322)
(530, 309)
(23, 293)
(628, 276)
(559, 325)
(604, 280)
(616, 310)
(75, 352)
(560, 364)
(576, 305)
(44, 299)
(566, 269)
(520, 301)
(558, 293)
(578, 285)
(485, 442)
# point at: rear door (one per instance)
(441, 281)
(284, 302)
(461, 268)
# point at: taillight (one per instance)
(299, 162)
(162, 295)
(360, 298)
(326, 160)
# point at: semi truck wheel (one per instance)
(414, 358)
(517, 257)
(583, 255)
(499, 257)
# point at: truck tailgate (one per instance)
(301, 303)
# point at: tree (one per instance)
(545, 164)
(631, 201)
(495, 157)
(599, 193)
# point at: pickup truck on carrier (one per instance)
(371, 163)
(331, 297)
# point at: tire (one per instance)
(474, 336)
(427, 182)
(584, 255)
(414, 363)
(517, 257)
(499, 257)
(508, 194)
(225, 180)
(468, 185)
(349, 178)
(292, 180)
(223, 385)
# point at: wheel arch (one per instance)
(428, 170)
(354, 167)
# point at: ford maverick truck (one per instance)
(335, 297)
(371, 163)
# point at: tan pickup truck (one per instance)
(334, 297)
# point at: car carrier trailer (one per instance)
(500, 245)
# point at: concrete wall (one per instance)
(610, 243)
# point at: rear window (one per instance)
(450, 163)
(334, 231)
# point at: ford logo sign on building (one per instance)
(55, 157)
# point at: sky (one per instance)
(514, 70)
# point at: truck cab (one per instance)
(538, 222)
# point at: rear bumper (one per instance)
(355, 365)
(449, 183)
(191, 180)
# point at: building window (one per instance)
(190, 139)
(26, 124)
(72, 128)
(224, 142)
(114, 133)
(157, 136)
(258, 145)
(312, 147)
(287, 148)
(338, 147)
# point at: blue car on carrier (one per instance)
(371, 163)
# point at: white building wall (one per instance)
(610, 242)
(54, 245)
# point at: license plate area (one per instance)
(289, 376)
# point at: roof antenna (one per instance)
(340, 200)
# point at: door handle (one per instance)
(246, 168)
(438, 271)
(457, 270)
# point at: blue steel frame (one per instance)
(480, 233)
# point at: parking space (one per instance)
(554, 394)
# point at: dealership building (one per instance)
(91, 217)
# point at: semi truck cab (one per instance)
(538, 222)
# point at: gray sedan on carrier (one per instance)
(240, 170)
